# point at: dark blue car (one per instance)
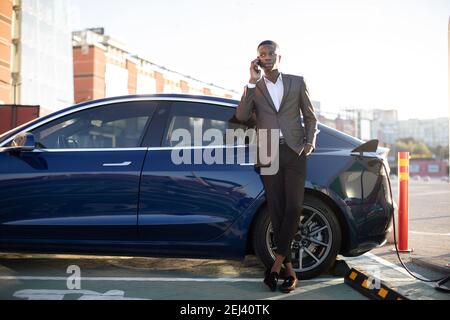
(98, 178)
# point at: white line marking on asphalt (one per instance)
(429, 193)
(302, 289)
(45, 294)
(388, 264)
(160, 279)
(397, 268)
(149, 279)
(431, 233)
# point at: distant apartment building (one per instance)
(42, 72)
(434, 132)
(355, 122)
(339, 122)
(6, 20)
(384, 126)
(316, 105)
(103, 67)
(328, 121)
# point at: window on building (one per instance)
(414, 168)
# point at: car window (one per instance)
(197, 118)
(333, 139)
(120, 125)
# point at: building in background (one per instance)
(355, 122)
(434, 132)
(45, 72)
(6, 20)
(341, 121)
(428, 168)
(316, 105)
(42, 72)
(103, 67)
(12, 112)
(384, 126)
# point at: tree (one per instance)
(417, 149)
(441, 152)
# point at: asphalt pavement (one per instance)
(69, 277)
(429, 226)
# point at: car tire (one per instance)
(324, 244)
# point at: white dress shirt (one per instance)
(276, 91)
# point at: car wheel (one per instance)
(315, 245)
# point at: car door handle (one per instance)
(120, 164)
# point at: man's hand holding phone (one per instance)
(255, 71)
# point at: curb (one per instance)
(371, 287)
(430, 265)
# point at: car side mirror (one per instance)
(22, 142)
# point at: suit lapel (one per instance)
(261, 85)
(286, 88)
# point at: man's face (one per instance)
(269, 57)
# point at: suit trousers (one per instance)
(285, 194)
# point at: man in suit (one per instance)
(276, 102)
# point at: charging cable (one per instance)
(441, 281)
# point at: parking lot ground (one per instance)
(36, 277)
(397, 278)
(45, 277)
(429, 225)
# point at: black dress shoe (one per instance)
(289, 284)
(271, 279)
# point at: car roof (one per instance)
(172, 96)
(159, 96)
(169, 96)
(137, 97)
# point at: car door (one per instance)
(194, 201)
(82, 180)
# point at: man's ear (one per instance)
(279, 58)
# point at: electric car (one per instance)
(100, 178)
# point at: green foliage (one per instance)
(417, 149)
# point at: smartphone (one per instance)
(258, 65)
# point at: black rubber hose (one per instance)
(440, 281)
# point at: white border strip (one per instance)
(150, 279)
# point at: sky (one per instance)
(385, 54)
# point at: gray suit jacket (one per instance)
(256, 103)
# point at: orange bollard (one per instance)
(403, 202)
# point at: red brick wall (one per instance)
(184, 86)
(89, 74)
(5, 51)
(12, 116)
(423, 168)
(132, 77)
(159, 82)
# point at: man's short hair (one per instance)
(269, 42)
